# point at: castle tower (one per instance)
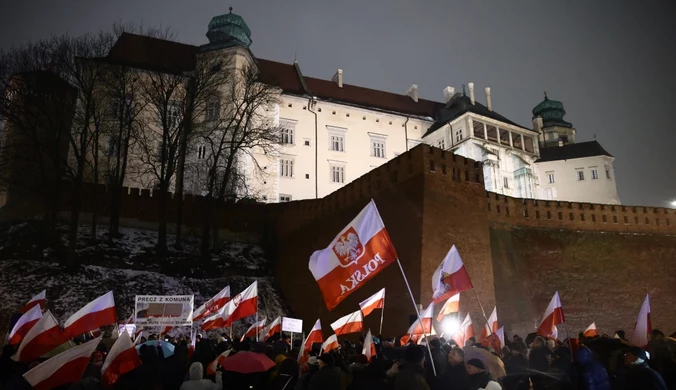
(229, 34)
(548, 122)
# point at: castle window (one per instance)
(337, 143)
(378, 147)
(213, 110)
(506, 182)
(441, 144)
(173, 114)
(337, 174)
(580, 175)
(528, 144)
(550, 178)
(287, 132)
(286, 168)
(595, 174)
(284, 198)
(458, 135)
(607, 173)
(201, 152)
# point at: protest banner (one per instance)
(157, 310)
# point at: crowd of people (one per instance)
(599, 363)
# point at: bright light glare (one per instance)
(673, 204)
(450, 326)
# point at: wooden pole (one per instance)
(382, 314)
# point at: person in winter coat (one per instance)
(288, 376)
(455, 375)
(538, 361)
(516, 367)
(196, 381)
(411, 374)
(329, 376)
(639, 376)
(594, 375)
(478, 376)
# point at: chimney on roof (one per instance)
(448, 94)
(471, 91)
(338, 78)
(489, 104)
(413, 92)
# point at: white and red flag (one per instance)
(497, 339)
(212, 305)
(465, 332)
(369, 347)
(643, 326)
(417, 329)
(213, 366)
(39, 299)
(315, 336)
(450, 277)
(273, 328)
(355, 256)
(375, 301)
(254, 329)
(242, 305)
(97, 313)
(552, 317)
(43, 337)
(451, 306)
(330, 344)
(554, 335)
(491, 326)
(121, 359)
(591, 331)
(351, 323)
(24, 324)
(62, 369)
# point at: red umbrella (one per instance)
(246, 362)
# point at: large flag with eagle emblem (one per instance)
(450, 277)
(356, 255)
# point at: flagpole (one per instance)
(382, 314)
(482, 312)
(417, 314)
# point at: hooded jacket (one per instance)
(196, 381)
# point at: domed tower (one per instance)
(548, 121)
(228, 30)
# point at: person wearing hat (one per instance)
(411, 375)
(639, 376)
(478, 376)
(329, 376)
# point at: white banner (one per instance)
(130, 328)
(292, 325)
(158, 310)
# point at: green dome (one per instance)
(229, 30)
(551, 112)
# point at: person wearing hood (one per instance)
(639, 376)
(478, 376)
(411, 374)
(197, 381)
(329, 376)
(594, 375)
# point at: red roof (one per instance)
(168, 56)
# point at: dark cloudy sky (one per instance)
(611, 62)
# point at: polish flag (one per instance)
(39, 299)
(40, 339)
(254, 329)
(274, 327)
(465, 332)
(97, 313)
(213, 366)
(450, 277)
(330, 344)
(416, 330)
(497, 339)
(375, 301)
(355, 256)
(591, 331)
(24, 324)
(643, 326)
(64, 368)
(212, 305)
(554, 335)
(351, 323)
(242, 305)
(121, 359)
(491, 326)
(452, 305)
(139, 335)
(369, 347)
(315, 336)
(553, 316)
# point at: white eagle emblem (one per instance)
(348, 248)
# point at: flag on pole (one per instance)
(554, 335)
(465, 332)
(552, 317)
(139, 336)
(274, 327)
(121, 359)
(330, 344)
(355, 256)
(43, 337)
(315, 336)
(450, 277)
(369, 347)
(39, 299)
(213, 366)
(97, 313)
(212, 305)
(242, 305)
(375, 301)
(417, 329)
(591, 331)
(452, 305)
(497, 339)
(24, 324)
(491, 326)
(254, 329)
(351, 323)
(64, 368)
(643, 326)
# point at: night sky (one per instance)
(611, 63)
